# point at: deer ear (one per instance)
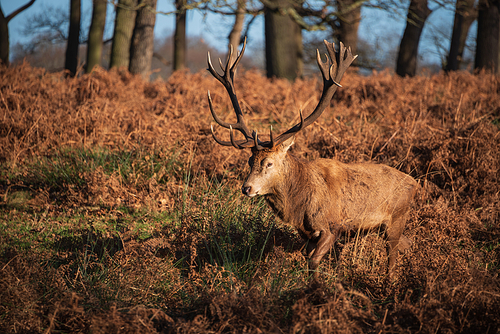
(284, 146)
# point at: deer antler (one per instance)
(227, 79)
(332, 71)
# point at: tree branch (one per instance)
(19, 10)
(162, 59)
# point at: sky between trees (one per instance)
(378, 27)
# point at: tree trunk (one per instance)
(408, 49)
(96, 31)
(71, 63)
(487, 46)
(464, 16)
(4, 32)
(122, 36)
(4, 39)
(141, 48)
(284, 58)
(349, 18)
(235, 34)
(180, 44)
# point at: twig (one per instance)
(387, 142)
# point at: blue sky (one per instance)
(378, 27)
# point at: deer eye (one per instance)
(269, 165)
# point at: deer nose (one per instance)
(246, 190)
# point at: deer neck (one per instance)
(288, 197)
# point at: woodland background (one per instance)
(59, 38)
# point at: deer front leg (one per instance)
(317, 248)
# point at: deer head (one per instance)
(267, 157)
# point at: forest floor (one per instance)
(120, 214)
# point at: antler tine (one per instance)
(323, 66)
(240, 144)
(332, 71)
(235, 143)
(214, 115)
(229, 70)
(220, 64)
(211, 68)
(257, 142)
(345, 60)
(271, 137)
(217, 139)
(240, 54)
(227, 80)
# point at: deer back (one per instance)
(368, 194)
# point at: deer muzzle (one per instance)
(247, 191)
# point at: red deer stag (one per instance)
(324, 197)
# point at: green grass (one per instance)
(66, 168)
(85, 243)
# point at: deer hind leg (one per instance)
(396, 241)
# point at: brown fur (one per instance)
(325, 197)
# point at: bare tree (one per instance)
(284, 57)
(48, 30)
(48, 26)
(239, 9)
(71, 62)
(4, 31)
(418, 12)
(341, 16)
(96, 32)
(141, 48)
(488, 34)
(465, 14)
(122, 37)
(235, 34)
(180, 44)
(348, 17)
